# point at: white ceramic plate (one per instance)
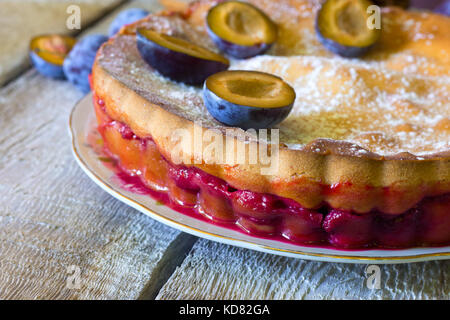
(82, 123)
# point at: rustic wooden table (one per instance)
(58, 227)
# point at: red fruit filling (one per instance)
(260, 214)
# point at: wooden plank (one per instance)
(217, 271)
(21, 20)
(53, 217)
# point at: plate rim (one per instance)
(314, 256)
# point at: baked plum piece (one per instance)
(342, 27)
(347, 230)
(240, 29)
(47, 54)
(178, 59)
(248, 99)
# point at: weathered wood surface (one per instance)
(217, 271)
(21, 20)
(53, 217)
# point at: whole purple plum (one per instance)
(78, 64)
(126, 17)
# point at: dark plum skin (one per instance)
(235, 50)
(241, 116)
(78, 64)
(46, 68)
(443, 8)
(126, 17)
(337, 48)
(177, 66)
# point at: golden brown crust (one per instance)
(365, 180)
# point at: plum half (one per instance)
(248, 99)
(178, 59)
(341, 26)
(47, 54)
(240, 29)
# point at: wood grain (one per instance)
(217, 271)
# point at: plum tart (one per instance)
(363, 159)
